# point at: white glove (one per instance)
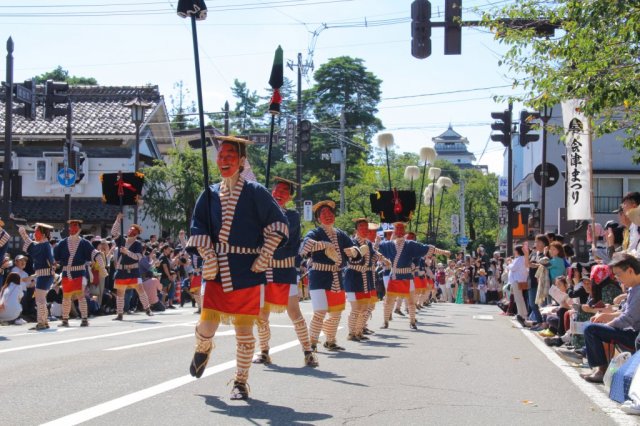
(364, 250)
(351, 252)
(332, 254)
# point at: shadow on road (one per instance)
(310, 372)
(256, 411)
(385, 344)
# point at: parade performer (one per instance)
(374, 238)
(128, 254)
(359, 281)
(281, 291)
(419, 275)
(236, 241)
(329, 248)
(73, 253)
(401, 252)
(41, 255)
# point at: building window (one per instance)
(607, 194)
(633, 185)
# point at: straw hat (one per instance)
(328, 203)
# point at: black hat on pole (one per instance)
(187, 8)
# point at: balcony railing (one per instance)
(606, 204)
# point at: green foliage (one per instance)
(60, 74)
(181, 107)
(172, 188)
(593, 57)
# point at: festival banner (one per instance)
(578, 145)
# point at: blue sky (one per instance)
(144, 42)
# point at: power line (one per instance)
(477, 89)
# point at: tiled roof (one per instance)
(51, 210)
(449, 135)
(97, 110)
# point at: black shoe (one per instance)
(240, 391)
(262, 358)
(39, 327)
(353, 338)
(84, 323)
(521, 321)
(413, 325)
(314, 347)
(333, 347)
(399, 312)
(368, 332)
(171, 307)
(64, 323)
(118, 318)
(553, 341)
(148, 312)
(362, 337)
(385, 325)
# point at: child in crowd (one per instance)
(482, 285)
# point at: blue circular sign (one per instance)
(463, 241)
(66, 177)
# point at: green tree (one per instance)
(593, 57)
(172, 188)
(181, 107)
(60, 74)
(246, 110)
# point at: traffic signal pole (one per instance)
(510, 188)
(67, 147)
(8, 126)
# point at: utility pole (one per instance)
(300, 67)
(8, 126)
(462, 216)
(343, 162)
(545, 117)
(226, 118)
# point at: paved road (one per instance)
(464, 366)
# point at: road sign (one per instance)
(262, 138)
(463, 241)
(552, 175)
(23, 94)
(291, 135)
(66, 177)
(308, 215)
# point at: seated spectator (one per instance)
(10, 295)
(620, 327)
(152, 287)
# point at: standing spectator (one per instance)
(614, 327)
(630, 201)
(518, 275)
(532, 261)
(165, 271)
(482, 285)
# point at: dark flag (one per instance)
(276, 81)
(129, 187)
(393, 206)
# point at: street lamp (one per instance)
(138, 107)
(434, 174)
(443, 182)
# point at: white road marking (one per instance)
(168, 339)
(132, 398)
(81, 339)
(611, 408)
(483, 317)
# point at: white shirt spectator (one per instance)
(518, 272)
(10, 300)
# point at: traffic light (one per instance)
(526, 127)
(421, 29)
(55, 92)
(304, 140)
(503, 125)
(453, 27)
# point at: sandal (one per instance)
(333, 347)
(310, 359)
(262, 358)
(200, 357)
(240, 390)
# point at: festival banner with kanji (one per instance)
(578, 145)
